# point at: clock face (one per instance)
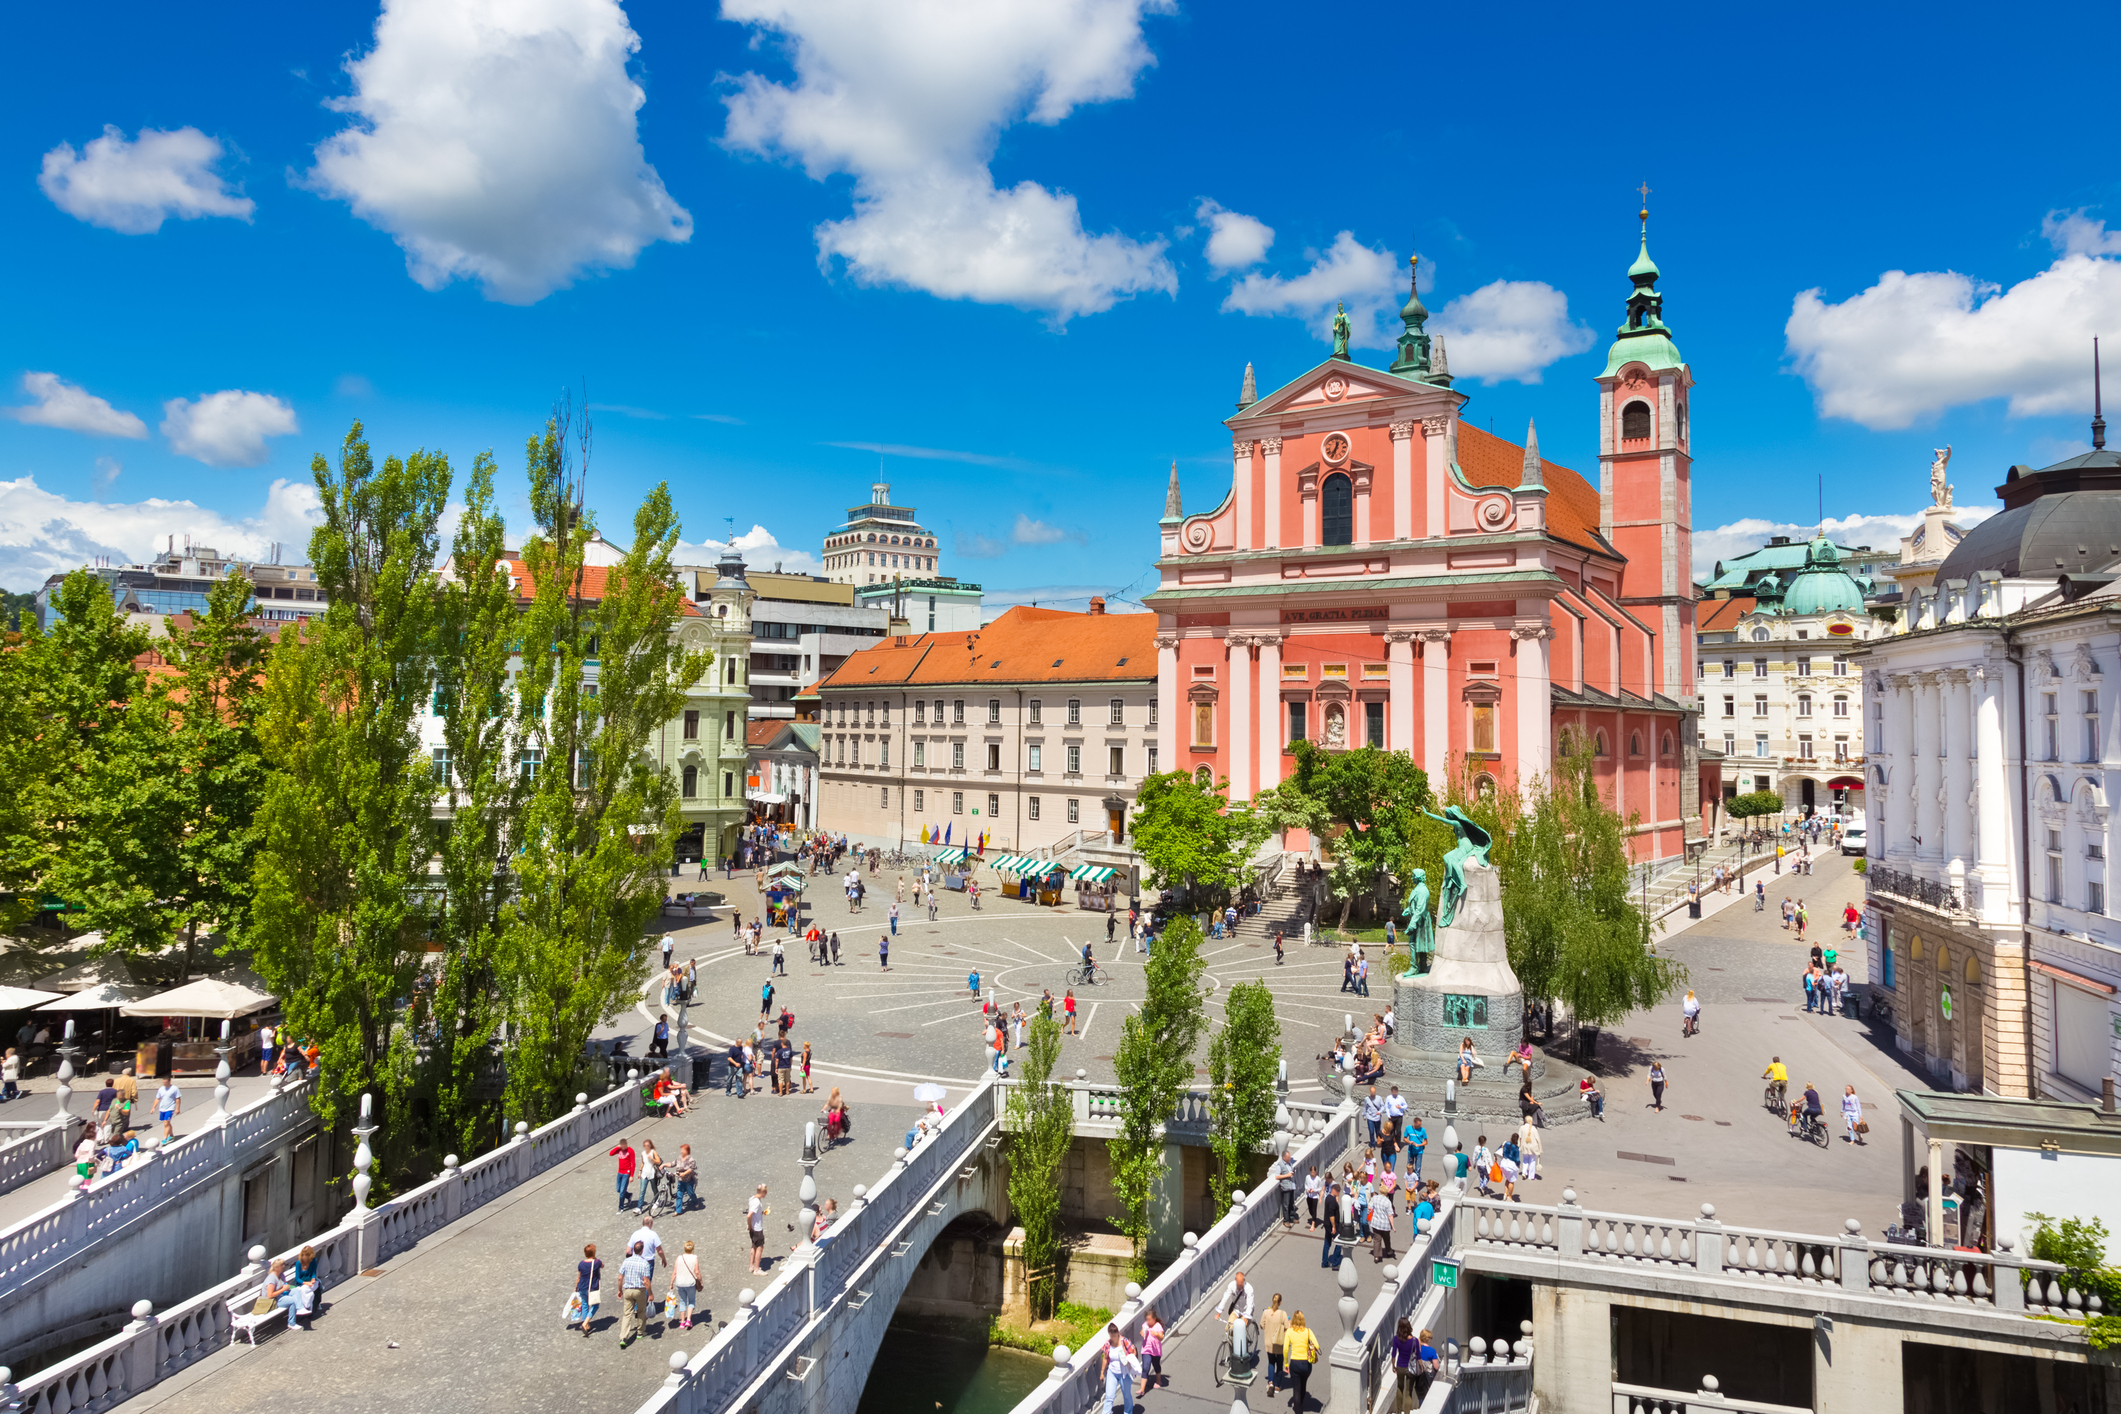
(1335, 447)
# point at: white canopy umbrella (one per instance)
(105, 996)
(23, 998)
(91, 972)
(211, 997)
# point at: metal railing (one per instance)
(1077, 1384)
(1927, 892)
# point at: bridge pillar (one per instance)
(1574, 1371)
(1855, 1367)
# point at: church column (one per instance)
(1399, 723)
(1435, 710)
(1994, 808)
(1270, 447)
(1896, 802)
(1242, 490)
(1403, 481)
(1435, 434)
(1269, 732)
(1362, 505)
(1924, 782)
(1534, 706)
(1958, 777)
(1168, 725)
(1243, 747)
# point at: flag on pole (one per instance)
(946, 831)
(924, 834)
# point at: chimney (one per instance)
(1097, 603)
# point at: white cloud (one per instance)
(1027, 531)
(1880, 532)
(353, 385)
(1367, 280)
(1235, 240)
(228, 428)
(939, 454)
(1913, 345)
(108, 470)
(760, 549)
(1509, 331)
(72, 408)
(42, 533)
(971, 545)
(496, 141)
(134, 185)
(1057, 596)
(910, 99)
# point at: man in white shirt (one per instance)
(645, 1240)
(169, 1101)
(1391, 1024)
(1236, 1309)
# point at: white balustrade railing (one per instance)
(153, 1347)
(1488, 1377)
(57, 1234)
(34, 1150)
(1195, 1276)
(1642, 1399)
(757, 1341)
(1999, 1280)
(1404, 1297)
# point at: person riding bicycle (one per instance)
(1236, 1309)
(1806, 1111)
(1777, 1076)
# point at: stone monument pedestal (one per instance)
(1470, 989)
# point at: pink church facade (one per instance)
(1381, 573)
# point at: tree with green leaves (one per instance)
(72, 708)
(602, 672)
(1576, 933)
(1154, 1064)
(337, 927)
(1042, 1125)
(171, 835)
(1360, 805)
(480, 790)
(1190, 835)
(1244, 1058)
(1753, 803)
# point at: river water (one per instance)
(931, 1366)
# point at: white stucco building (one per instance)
(1996, 750)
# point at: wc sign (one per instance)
(1443, 1272)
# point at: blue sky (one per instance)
(1016, 256)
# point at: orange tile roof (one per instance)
(1714, 615)
(1023, 645)
(1572, 502)
(592, 583)
(762, 732)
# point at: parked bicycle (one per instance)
(1228, 1367)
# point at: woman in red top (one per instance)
(1068, 1006)
(626, 1166)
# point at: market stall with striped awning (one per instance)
(952, 855)
(1092, 874)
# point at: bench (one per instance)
(244, 1322)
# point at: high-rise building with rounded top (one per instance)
(881, 542)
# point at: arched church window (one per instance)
(1635, 421)
(1483, 786)
(1598, 744)
(1635, 743)
(1337, 509)
(1204, 778)
(1668, 743)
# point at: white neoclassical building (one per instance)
(1996, 750)
(1781, 696)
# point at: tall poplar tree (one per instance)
(1243, 1059)
(1154, 1063)
(345, 830)
(602, 674)
(1042, 1118)
(479, 792)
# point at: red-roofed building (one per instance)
(1382, 573)
(1035, 730)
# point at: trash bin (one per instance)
(1693, 908)
(1586, 1044)
(702, 1071)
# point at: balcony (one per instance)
(1940, 898)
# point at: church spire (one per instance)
(1173, 507)
(1534, 468)
(1248, 393)
(1644, 337)
(1413, 361)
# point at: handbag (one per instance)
(1863, 1126)
(574, 1310)
(263, 1306)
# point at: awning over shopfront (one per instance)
(104, 996)
(1012, 864)
(1092, 873)
(766, 797)
(23, 998)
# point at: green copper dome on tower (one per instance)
(1644, 338)
(1822, 586)
(1644, 266)
(1413, 360)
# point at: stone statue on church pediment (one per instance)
(1940, 489)
(1340, 332)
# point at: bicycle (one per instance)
(1087, 974)
(1776, 1097)
(1810, 1127)
(1228, 1368)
